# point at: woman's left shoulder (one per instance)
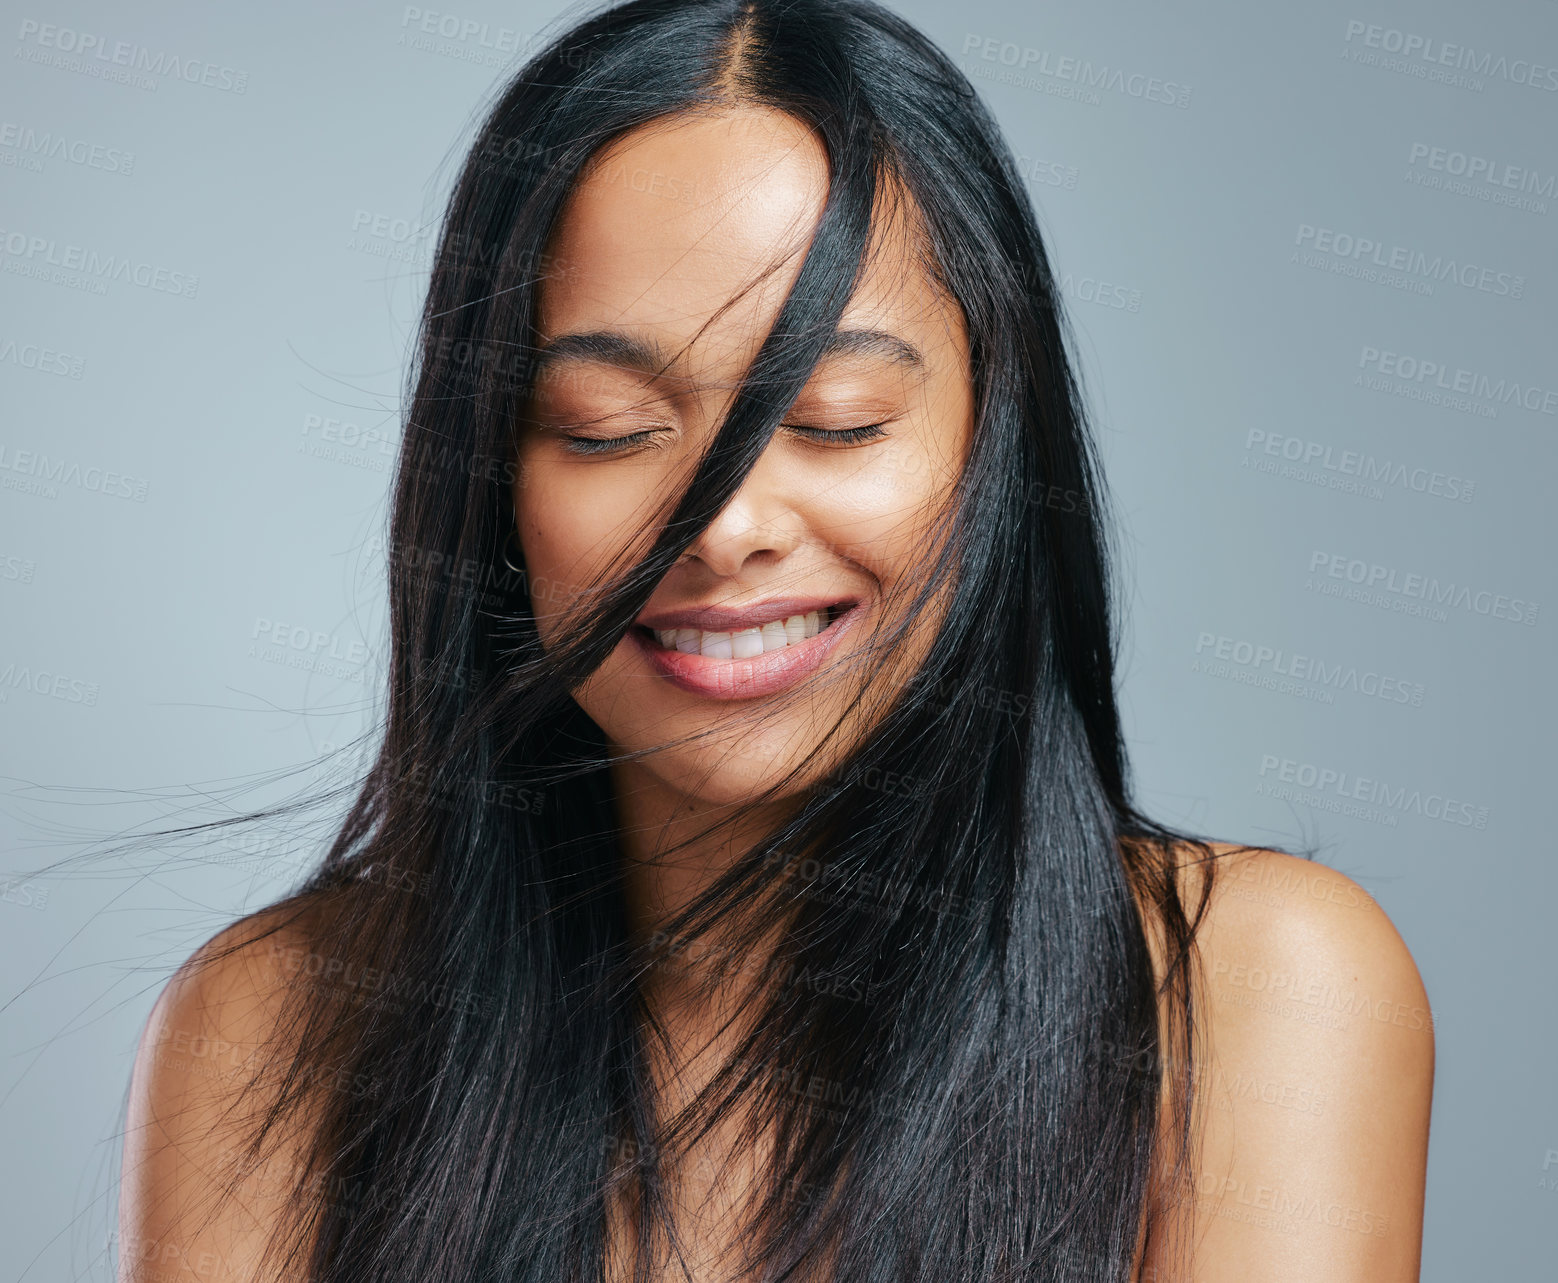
(1314, 1077)
(1287, 937)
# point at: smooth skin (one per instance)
(821, 514)
(1316, 1043)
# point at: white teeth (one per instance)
(746, 643)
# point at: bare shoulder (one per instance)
(1303, 936)
(193, 1203)
(1303, 920)
(1314, 1058)
(237, 977)
(1301, 960)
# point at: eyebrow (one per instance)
(875, 343)
(604, 347)
(624, 351)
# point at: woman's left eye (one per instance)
(841, 436)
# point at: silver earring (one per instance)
(504, 553)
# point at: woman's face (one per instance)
(669, 266)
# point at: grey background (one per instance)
(139, 648)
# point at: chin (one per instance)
(734, 771)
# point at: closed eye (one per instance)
(839, 436)
(829, 436)
(606, 445)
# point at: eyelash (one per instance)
(614, 445)
(602, 445)
(850, 436)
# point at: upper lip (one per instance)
(730, 619)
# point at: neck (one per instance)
(675, 846)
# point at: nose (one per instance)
(760, 525)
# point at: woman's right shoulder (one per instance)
(193, 1202)
(234, 986)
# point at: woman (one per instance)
(748, 885)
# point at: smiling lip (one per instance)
(763, 674)
(724, 619)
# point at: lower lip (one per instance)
(764, 674)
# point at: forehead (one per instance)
(691, 231)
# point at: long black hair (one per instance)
(960, 1072)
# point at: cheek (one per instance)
(574, 523)
(880, 515)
